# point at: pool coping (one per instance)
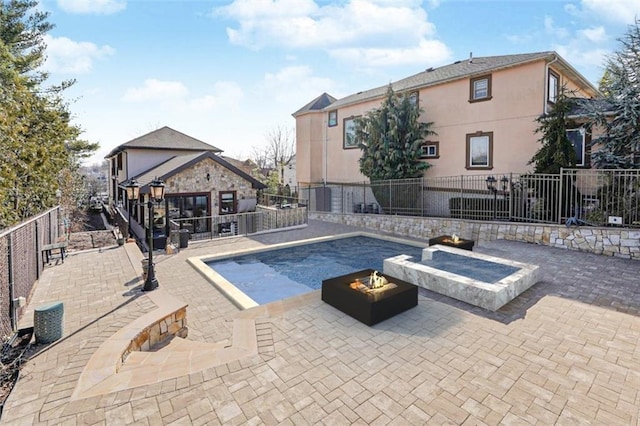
(491, 296)
(240, 299)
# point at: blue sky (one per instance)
(229, 72)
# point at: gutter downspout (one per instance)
(545, 97)
(325, 123)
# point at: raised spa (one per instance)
(478, 279)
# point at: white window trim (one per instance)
(583, 134)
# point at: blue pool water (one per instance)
(277, 274)
(281, 273)
(478, 269)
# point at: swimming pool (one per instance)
(276, 274)
(262, 275)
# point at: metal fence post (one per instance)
(560, 191)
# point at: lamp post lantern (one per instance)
(156, 194)
(133, 192)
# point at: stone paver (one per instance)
(563, 352)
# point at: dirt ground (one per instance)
(95, 235)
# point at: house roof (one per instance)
(317, 104)
(179, 163)
(464, 69)
(582, 107)
(165, 138)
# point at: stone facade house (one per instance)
(199, 182)
(483, 110)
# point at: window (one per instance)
(578, 138)
(430, 150)
(552, 94)
(333, 118)
(184, 210)
(480, 89)
(414, 98)
(227, 202)
(480, 151)
(349, 140)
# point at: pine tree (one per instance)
(556, 150)
(391, 138)
(37, 140)
(619, 145)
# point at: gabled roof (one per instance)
(463, 69)
(176, 164)
(165, 138)
(317, 104)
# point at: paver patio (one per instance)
(566, 351)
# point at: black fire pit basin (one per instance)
(369, 308)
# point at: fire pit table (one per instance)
(369, 306)
(447, 240)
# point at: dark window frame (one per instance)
(424, 155)
(344, 133)
(234, 209)
(472, 91)
(586, 147)
(552, 74)
(332, 121)
(415, 94)
(478, 134)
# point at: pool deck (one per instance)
(565, 351)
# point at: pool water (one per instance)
(477, 269)
(277, 274)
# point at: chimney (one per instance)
(470, 57)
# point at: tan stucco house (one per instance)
(483, 110)
(198, 180)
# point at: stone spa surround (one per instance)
(489, 282)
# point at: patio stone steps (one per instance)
(106, 372)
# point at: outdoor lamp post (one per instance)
(156, 194)
(491, 186)
(505, 183)
(133, 192)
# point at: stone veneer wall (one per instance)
(169, 326)
(194, 179)
(621, 242)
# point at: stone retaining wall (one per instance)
(158, 332)
(621, 242)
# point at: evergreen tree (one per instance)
(391, 138)
(556, 150)
(39, 144)
(619, 144)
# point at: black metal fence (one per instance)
(574, 196)
(21, 263)
(265, 218)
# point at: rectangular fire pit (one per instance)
(372, 307)
(446, 240)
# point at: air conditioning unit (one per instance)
(615, 220)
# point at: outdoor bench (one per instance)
(48, 249)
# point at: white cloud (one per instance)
(428, 52)
(551, 29)
(294, 85)
(98, 7)
(583, 57)
(156, 90)
(226, 94)
(623, 11)
(596, 35)
(385, 29)
(67, 56)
